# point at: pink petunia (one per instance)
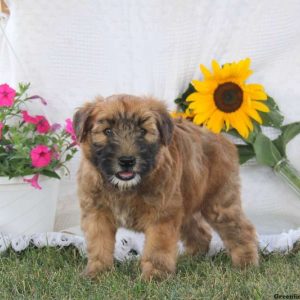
(1, 127)
(34, 181)
(42, 125)
(7, 95)
(40, 156)
(70, 129)
(27, 118)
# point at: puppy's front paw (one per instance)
(150, 271)
(94, 268)
(243, 259)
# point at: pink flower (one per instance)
(7, 95)
(27, 118)
(69, 129)
(1, 127)
(34, 181)
(40, 156)
(42, 125)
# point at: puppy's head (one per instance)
(122, 135)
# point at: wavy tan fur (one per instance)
(193, 187)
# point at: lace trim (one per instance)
(130, 244)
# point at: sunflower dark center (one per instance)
(228, 97)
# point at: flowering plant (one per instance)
(223, 101)
(30, 145)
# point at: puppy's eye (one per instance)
(108, 132)
(143, 131)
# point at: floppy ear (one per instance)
(165, 127)
(81, 121)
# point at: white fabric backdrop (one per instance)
(73, 50)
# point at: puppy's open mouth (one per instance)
(125, 175)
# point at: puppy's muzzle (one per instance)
(126, 163)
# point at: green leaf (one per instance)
(23, 87)
(68, 157)
(181, 101)
(50, 174)
(288, 133)
(273, 118)
(246, 152)
(253, 134)
(265, 151)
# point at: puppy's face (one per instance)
(122, 135)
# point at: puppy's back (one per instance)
(208, 159)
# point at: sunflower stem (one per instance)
(288, 173)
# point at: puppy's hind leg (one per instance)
(196, 235)
(224, 213)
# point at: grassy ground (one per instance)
(53, 273)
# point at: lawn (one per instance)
(53, 273)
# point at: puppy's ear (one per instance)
(82, 121)
(165, 126)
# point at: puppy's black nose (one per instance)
(127, 161)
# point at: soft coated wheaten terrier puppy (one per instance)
(167, 178)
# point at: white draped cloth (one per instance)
(72, 51)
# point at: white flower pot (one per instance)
(26, 210)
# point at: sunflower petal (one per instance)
(245, 74)
(202, 106)
(216, 121)
(242, 69)
(255, 86)
(189, 113)
(227, 122)
(256, 91)
(203, 86)
(246, 63)
(254, 115)
(260, 106)
(206, 73)
(242, 130)
(226, 72)
(216, 68)
(207, 98)
(247, 120)
(177, 114)
(258, 95)
(193, 97)
(201, 118)
(239, 124)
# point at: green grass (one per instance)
(53, 273)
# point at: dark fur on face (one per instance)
(124, 143)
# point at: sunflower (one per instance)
(223, 99)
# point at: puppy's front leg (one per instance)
(99, 230)
(160, 250)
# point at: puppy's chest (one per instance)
(125, 215)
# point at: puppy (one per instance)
(168, 178)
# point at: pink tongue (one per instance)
(126, 174)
